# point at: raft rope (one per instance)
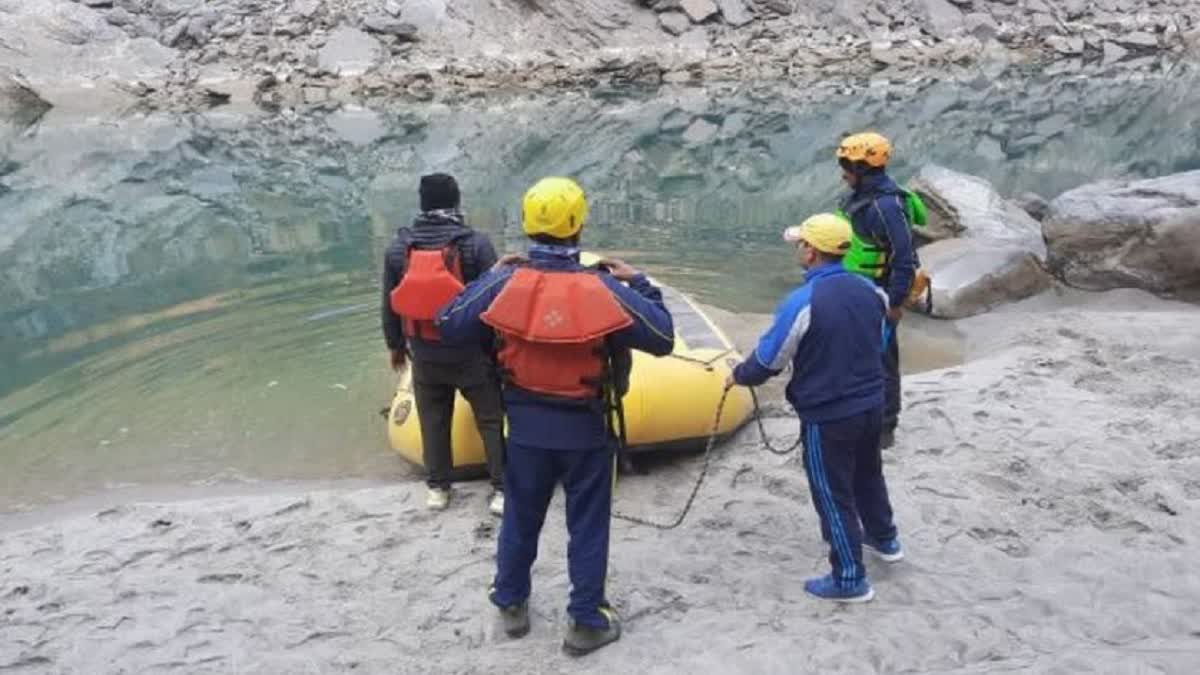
(713, 436)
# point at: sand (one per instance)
(1047, 491)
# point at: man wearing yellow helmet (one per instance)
(562, 336)
(829, 330)
(881, 213)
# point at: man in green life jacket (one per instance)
(881, 214)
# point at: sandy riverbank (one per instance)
(1046, 489)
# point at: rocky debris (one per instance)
(735, 12)
(945, 20)
(1144, 234)
(348, 52)
(981, 25)
(389, 26)
(698, 10)
(560, 44)
(1140, 40)
(1068, 46)
(675, 23)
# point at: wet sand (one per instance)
(1047, 490)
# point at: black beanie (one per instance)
(439, 191)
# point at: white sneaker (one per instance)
(496, 505)
(438, 499)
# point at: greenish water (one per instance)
(192, 299)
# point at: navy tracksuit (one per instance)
(552, 442)
(883, 223)
(831, 331)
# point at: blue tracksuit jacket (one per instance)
(535, 421)
(831, 331)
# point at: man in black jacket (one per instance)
(439, 370)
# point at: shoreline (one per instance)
(1050, 476)
(930, 347)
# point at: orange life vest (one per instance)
(551, 328)
(431, 280)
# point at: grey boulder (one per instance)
(988, 250)
(1143, 233)
(971, 276)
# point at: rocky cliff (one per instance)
(310, 50)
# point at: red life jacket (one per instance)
(551, 327)
(432, 278)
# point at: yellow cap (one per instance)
(825, 232)
(554, 206)
(869, 148)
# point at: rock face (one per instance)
(1143, 233)
(990, 250)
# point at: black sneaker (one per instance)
(515, 620)
(583, 640)
(887, 439)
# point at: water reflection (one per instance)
(184, 297)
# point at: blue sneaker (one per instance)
(828, 589)
(887, 550)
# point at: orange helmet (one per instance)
(868, 148)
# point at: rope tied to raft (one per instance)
(713, 436)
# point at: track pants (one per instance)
(845, 477)
(434, 387)
(530, 477)
(891, 377)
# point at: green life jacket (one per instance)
(870, 258)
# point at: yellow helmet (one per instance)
(825, 232)
(869, 148)
(554, 206)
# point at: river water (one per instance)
(192, 299)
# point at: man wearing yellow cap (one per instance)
(561, 334)
(830, 331)
(881, 213)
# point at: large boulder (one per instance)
(987, 249)
(1144, 234)
(72, 57)
(971, 276)
(961, 205)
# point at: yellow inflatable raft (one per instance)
(671, 402)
